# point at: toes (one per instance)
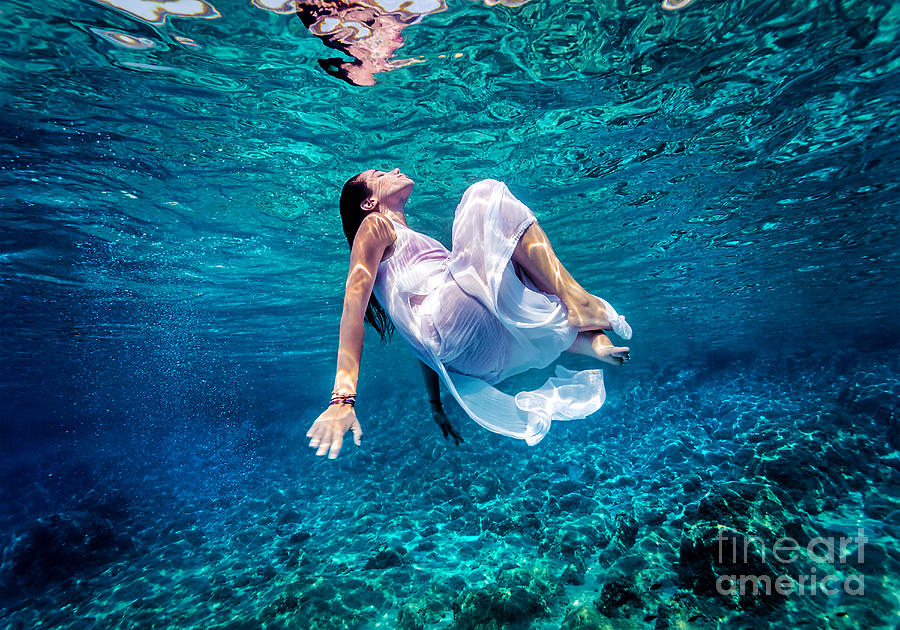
(621, 356)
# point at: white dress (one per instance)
(470, 317)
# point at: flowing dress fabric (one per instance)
(473, 317)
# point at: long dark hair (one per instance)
(353, 194)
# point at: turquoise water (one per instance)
(172, 268)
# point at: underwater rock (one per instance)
(791, 466)
(822, 463)
(464, 518)
(692, 484)
(112, 506)
(681, 612)
(485, 608)
(286, 516)
(223, 594)
(878, 402)
(624, 481)
(430, 530)
(299, 537)
(723, 521)
(871, 401)
(496, 521)
(575, 503)
(290, 557)
(444, 492)
(742, 457)
(574, 573)
(456, 583)
(530, 525)
(585, 617)
(62, 545)
(518, 596)
(672, 453)
(423, 611)
(386, 558)
(249, 623)
(581, 541)
(410, 618)
(265, 574)
(487, 489)
(626, 530)
(630, 562)
(618, 597)
(565, 485)
(361, 594)
(194, 536)
(652, 518)
(293, 605)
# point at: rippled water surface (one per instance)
(172, 261)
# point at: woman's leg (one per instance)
(535, 255)
(595, 343)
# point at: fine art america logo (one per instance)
(831, 551)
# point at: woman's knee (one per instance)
(484, 186)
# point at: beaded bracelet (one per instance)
(342, 399)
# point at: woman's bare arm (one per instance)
(375, 235)
(433, 385)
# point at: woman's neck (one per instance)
(394, 215)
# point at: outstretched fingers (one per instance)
(337, 440)
(315, 435)
(321, 436)
(328, 437)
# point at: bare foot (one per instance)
(604, 350)
(596, 344)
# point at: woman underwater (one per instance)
(498, 304)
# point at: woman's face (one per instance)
(387, 184)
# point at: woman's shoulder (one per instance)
(379, 226)
(376, 231)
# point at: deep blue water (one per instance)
(171, 279)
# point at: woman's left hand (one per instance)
(446, 427)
